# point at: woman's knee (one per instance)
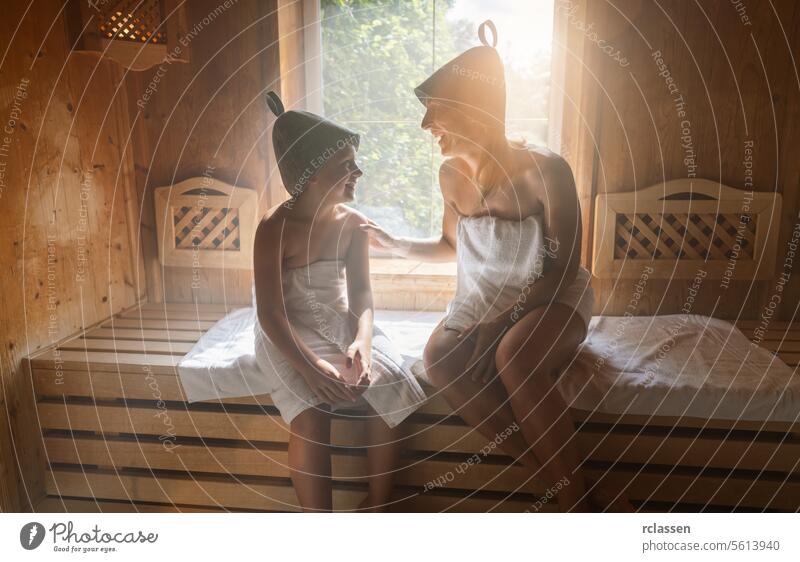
(516, 357)
(525, 361)
(438, 358)
(531, 375)
(540, 343)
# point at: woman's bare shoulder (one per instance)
(454, 174)
(545, 161)
(541, 157)
(454, 169)
(545, 169)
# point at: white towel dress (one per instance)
(315, 297)
(496, 260)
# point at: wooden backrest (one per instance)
(684, 225)
(203, 222)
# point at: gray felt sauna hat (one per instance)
(303, 143)
(473, 82)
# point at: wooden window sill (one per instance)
(401, 266)
(400, 284)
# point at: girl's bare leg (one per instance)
(310, 458)
(484, 406)
(383, 455)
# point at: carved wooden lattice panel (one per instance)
(132, 20)
(204, 222)
(206, 228)
(704, 236)
(674, 229)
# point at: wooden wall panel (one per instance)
(207, 117)
(738, 85)
(65, 249)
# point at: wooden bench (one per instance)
(119, 436)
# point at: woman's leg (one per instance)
(527, 358)
(310, 458)
(484, 406)
(383, 455)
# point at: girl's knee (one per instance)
(312, 423)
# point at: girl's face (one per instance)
(336, 181)
(457, 135)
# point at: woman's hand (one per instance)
(379, 238)
(486, 336)
(359, 354)
(328, 384)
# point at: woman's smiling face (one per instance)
(454, 131)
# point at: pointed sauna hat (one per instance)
(303, 142)
(474, 81)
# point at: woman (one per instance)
(523, 302)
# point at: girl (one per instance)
(315, 340)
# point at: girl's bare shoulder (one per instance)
(351, 217)
(268, 225)
(273, 231)
(353, 237)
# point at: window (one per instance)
(373, 53)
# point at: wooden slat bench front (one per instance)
(117, 429)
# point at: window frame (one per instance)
(312, 46)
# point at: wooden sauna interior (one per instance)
(87, 140)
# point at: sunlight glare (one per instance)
(525, 27)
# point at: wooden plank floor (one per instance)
(119, 436)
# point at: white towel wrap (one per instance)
(497, 258)
(236, 358)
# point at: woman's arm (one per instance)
(436, 249)
(271, 313)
